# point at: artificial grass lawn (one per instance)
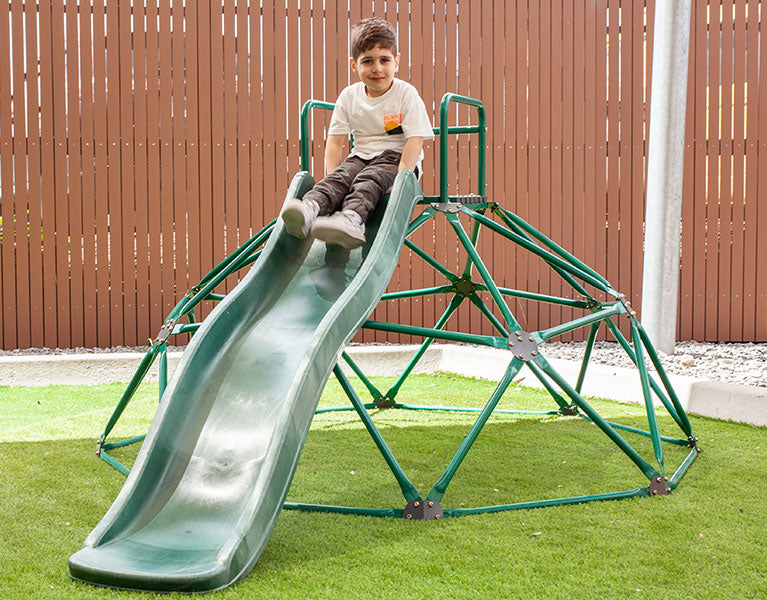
(706, 540)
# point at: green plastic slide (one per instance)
(211, 477)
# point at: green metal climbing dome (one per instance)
(476, 286)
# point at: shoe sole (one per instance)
(336, 237)
(295, 223)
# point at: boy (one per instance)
(389, 122)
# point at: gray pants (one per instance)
(356, 184)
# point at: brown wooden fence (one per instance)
(140, 142)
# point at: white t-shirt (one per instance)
(382, 123)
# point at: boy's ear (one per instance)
(353, 64)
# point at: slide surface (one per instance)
(212, 474)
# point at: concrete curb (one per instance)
(741, 403)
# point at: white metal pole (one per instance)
(665, 164)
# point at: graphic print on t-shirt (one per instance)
(393, 123)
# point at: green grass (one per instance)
(706, 540)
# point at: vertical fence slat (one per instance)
(592, 226)
(61, 218)
(192, 143)
(140, 140)
(126, 201)
(613, 143)
(21, 211)
(229, 116)
(37, 333)
(218, 183)
(698, 221)
(258, 217)
(90, 285)
(178, 152)
(7, 212)
(154, 149)
(546, 105)
(101, 179)
(752, 153)
(724, 229)
(562, 141)
(761, 213)
(637, 151)
(712, 193)
(75, 170)
(738, 188)
(205, 138)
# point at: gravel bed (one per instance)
(745, 364)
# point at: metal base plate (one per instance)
(421, 510)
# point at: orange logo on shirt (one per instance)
(393, 123)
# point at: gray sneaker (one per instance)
(298, 217)
(340, 230)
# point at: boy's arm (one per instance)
(334, 147)
(410, 153)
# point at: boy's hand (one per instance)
(410, 153)
(334, 147)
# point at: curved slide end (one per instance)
(212, 474)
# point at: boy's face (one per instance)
(376, 68)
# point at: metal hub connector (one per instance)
(523, 345)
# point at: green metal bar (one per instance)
(474, 238)
(449, 275)
(123, 443)
(440, 487)
(595, 317)
(443, 147)
(667, 439)
(451, 336)
(551, 245)
(679, 473)
(544, 298)
(186, 328)
(547, 256)
(659, 393)
(114, 463)
(163, 368)
(547, 384)
(138, 377)
(408, 489)
(586, 356)
(222, 271)
(477, 301)
(640, 462)
(252, 258)
(451, 308)
(372, 389)
(462, 512)
(304, 129)
(345, 510)
(225, 265)
(458, 129)
(319, 411)
(511, 322)
(416, 223)
(497, 411)
(563, 274)
(443, 289)
(649, 406)
(686, 426)
(215, 297)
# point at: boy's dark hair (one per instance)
(371, 33)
